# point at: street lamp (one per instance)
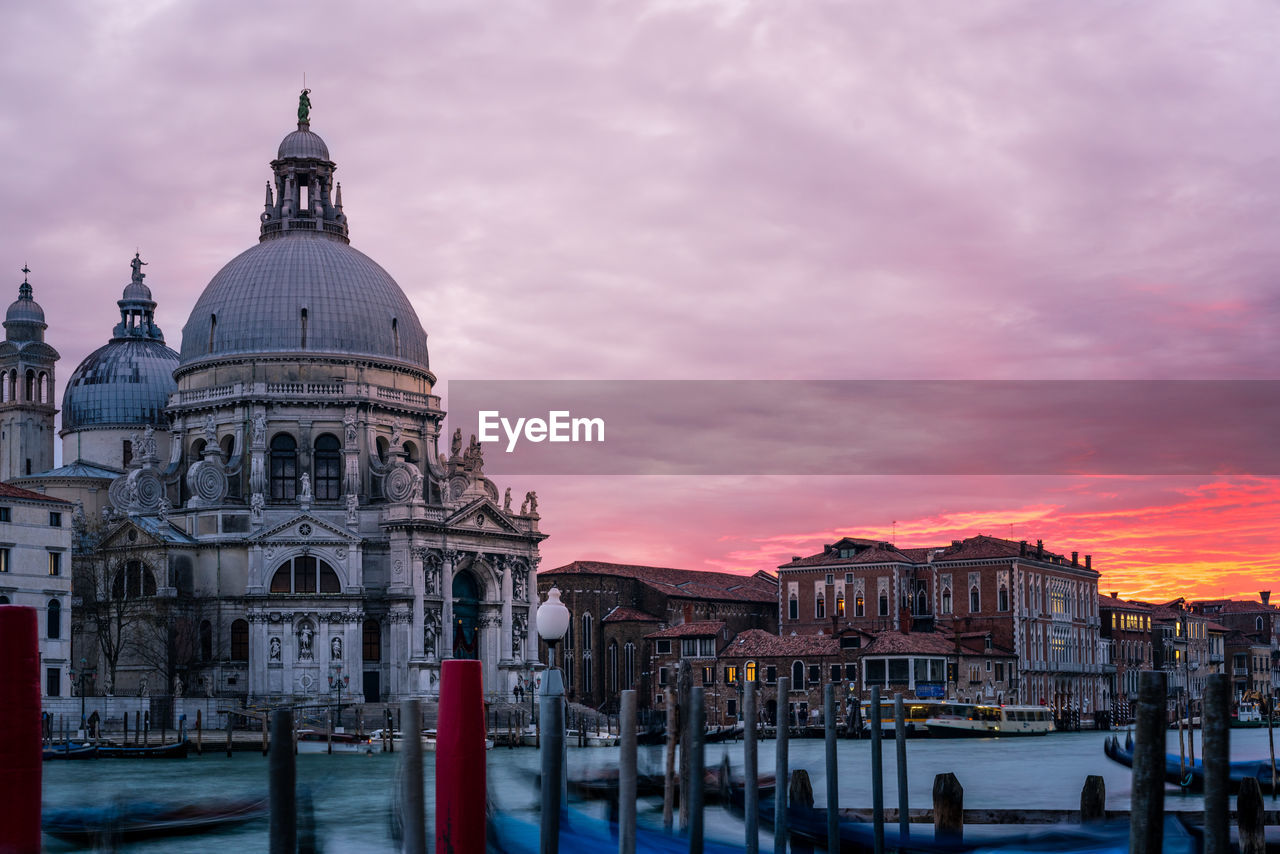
(78, 679)
(339, 681)
(553, 622)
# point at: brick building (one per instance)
(1039, 605)
(1258, 621)
(615, 606)
(1126, 631)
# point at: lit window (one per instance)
(55, 563)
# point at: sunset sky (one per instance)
(794, 189)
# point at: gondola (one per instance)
(70, 751)
(581, 834)
(652, 736)
(1189, 775)
(718, 734)
(604, 785)
(809, 825)
(177, 750)
(141, 821)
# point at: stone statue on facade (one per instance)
(518, 628)
(207, 681)
(147, 449)
(349, 422)
(144, 690)
(353, 505)
(275, 649)
(257, 506)
(532, 498)
(524, 505)
(397, 434)
(430, 632)
(506, 501)
(335, 649)
(305, 635)
(455, 445)
(162, 512)
(177, 686)
(304, 497)
(304, 107)
(108, 684)
(210, 432)
(259, 429)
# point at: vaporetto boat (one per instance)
(964, 720)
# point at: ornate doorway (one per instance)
(466, 616)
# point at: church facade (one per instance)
(287, 505)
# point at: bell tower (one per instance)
(26, 388)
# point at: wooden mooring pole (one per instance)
(697, 730)
(1146, 818)
(877, 774)
(1216, 746)
(782, 728)
(1093, 800)
(1249, 818)
(833, 773)
(627, 775)
(283, 778)
(412, 805)
(669, 776)
(948, 808)
(750, 769)
(900, 742)
(199, 735)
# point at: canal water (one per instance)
(352, 794)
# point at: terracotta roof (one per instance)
(877, 553)
(1231, 606)
(629, 615)
(759, 643)
(1126, 604)
(701, 629)
(975, 643)
(1216, 627)
(920, 642)
(17, 493)
(686, 583)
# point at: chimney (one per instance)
(1115, 595)
(1040, 548)
(688, 613)
(955, 544)
(1088, 561)
(1075, 558)
(1022, 549)
(1266, 597)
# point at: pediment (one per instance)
(304, 527)
(143, 533)
(482, 514)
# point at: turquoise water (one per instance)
(352, 794)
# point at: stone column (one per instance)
(446, 591)
(505, 628)
(418, 580)
(258, 655)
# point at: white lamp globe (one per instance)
(553, 617)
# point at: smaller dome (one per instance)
(124, 383)
(137, 291)
(303, 144)
(24, 321)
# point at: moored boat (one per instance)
(319, 741)
(142, 821)
(70, 751)
(1190, 775)
(177, 750)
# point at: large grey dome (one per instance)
(125, 382)
(303, 143)
(304, 293)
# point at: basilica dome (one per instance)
(126, 382)
(303, 290)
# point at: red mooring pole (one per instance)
(460, 759)
(20, 749)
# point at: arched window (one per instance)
(859, 606)
(839, 604)
(1003, 598)
(206, 640)
(819, 607)
(922, 603)
(946, 601)
(31, 386)
(305, 574)
(975, 601)
(751, 671)
(1260, 624)
(327, 482)
(793, 608)
(797, 675)
(42, 389)
(55, 620)
(884, 604)
(371, 648)
(4, 600)
(284, 467)
(132, 581)
(586, 631)
(629, 665)
(240, 640)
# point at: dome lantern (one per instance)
(301, 197)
